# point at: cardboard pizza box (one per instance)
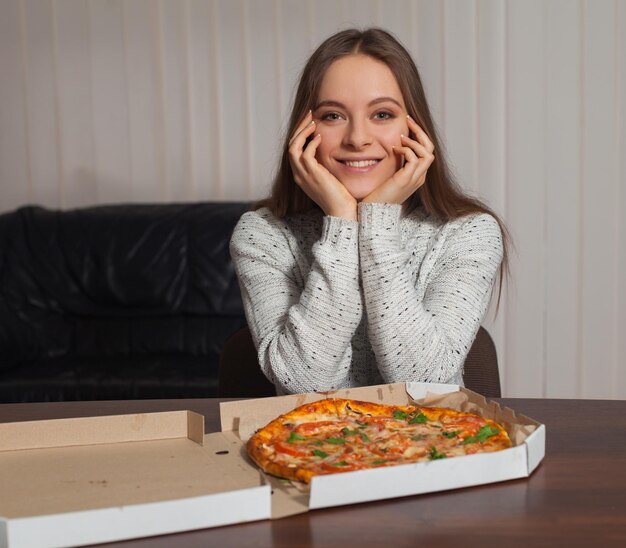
(71, 482)
(527, 435)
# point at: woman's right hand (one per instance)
(313, 178)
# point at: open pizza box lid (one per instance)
(71, 482)
(527, 435)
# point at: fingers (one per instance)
(308, 156)
(421, 150)
(303, 128)
(418, 149)
(418, 156)
(411, 160)
(420, 134)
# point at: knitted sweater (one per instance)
(333, 303)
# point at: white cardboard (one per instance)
(535, 446)
(139, 520)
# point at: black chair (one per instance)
(241, 377)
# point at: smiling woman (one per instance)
(366, 264)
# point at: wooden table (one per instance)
(577, 496)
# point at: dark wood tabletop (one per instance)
(577, 496)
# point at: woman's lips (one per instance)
(359, 166)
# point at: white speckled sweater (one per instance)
(333, 303)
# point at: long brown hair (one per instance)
(439, 195)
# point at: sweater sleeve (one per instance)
(422, 318)
(302, 327)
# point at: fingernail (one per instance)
(401, 136)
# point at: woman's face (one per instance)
(360, 114)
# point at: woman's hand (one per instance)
(313, 178)
(418, 155)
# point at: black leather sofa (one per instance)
(116, 302)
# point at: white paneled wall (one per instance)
(105, 101)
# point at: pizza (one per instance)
(340, 435)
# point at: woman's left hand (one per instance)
(418, 155)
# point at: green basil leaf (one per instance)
(420, 418)
(341, 463)
(335, 441)
(295, 437)
(451, 434)
(481, 436)
(365, 437)
(397, 414)
(319, 453)
(434, 454)
(347, 432)
(381, 461)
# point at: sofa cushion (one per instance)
(117, 281)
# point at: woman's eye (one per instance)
(330, 116)
(383, 115)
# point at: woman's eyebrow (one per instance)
(372, 102)
(384, 100)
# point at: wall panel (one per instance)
(619, 372)
(14, 169)
(563, 188)
(76, 116)
(145, 99)
(361, 13)
(267, 122)
(295, 43)
(461, 121)
(203, 124)
(110, 102)
(233, 109)
(491, 133)
(599, 209)
(325, 19)
(174, 53)
(430, 56)
(401, 16)
(525, 199)
(40, 95)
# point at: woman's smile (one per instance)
(359, 166)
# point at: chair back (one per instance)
(241, 377)
(480, 371)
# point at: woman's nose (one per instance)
(357, 135)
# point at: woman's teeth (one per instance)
(361, 163)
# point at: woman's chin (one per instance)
(360, 191)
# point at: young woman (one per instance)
(366, 264)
